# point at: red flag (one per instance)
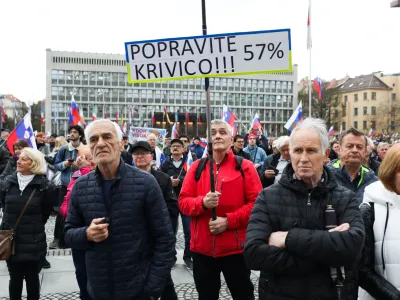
(309, 41)
(166, 115)
(187, 116)
(153, 118)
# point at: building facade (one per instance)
(366, 102)
(98, 83)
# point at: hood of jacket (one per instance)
(377, 193)
(289, 181)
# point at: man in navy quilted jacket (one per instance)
(117, 213)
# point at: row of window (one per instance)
(365, 97)
(168, 97)
(120, 79)
(127, 112)
(365, 110)
(365, 125)
(88, 61)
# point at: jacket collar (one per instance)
(326, 183)
(72, 148)
(14, 179)
(121, 171)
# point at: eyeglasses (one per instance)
(141, 153)
(185, 141)
(240, 142)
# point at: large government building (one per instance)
(98, 83)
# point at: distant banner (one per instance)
(141, 133)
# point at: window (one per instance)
(393, 96)
(373, 110)
(365, 96)
(364, 125)
(373, 96)
(356, 111)
(365, 110)
(343, 126)
(373, 124)
(355, 97)
(345, 100)
(355, 124)
(336, 113)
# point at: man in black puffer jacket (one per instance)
(287, 239)
(117, 213)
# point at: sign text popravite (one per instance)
(209, 56)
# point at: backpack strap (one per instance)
(201, 167)
(204, 160)
(239, 161)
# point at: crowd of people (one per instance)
(316, 217)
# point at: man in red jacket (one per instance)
(217, 246)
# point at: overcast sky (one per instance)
(349, 36)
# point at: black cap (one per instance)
(177, 141)
(197, 138)
(141, 144)
(5, 129)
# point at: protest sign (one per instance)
(209, 56)
(141, 133)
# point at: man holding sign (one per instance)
(217, 246)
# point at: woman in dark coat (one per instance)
(12, 161)
(30, 240)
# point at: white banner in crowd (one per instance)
(141, 133)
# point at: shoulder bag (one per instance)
(7, 236)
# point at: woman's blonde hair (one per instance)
(390, 167)
(38, 166)
(61, 142)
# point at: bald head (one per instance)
(152, 140)
(84, 150)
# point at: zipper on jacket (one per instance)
(308, 210)
(195, 234)
(384, 233)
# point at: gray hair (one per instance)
(318, 126)
(38, 166)
(89, 128)
(219, 122)
(282, 141)
(381, 144)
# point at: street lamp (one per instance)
(395, 3)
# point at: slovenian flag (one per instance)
(166, 115)
(296, 117)
(74, 116)
(174, 133)
(189, 161)
(256, 123)
(24, 130)
(229, 117)
(371, 132)
(331, 131)
(318, 86)
(203, 143)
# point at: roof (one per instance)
(363, 82)
(12, 98)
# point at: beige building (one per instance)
(368, 101)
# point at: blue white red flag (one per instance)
(174, 132)
(74, 117)
(318, 86)
(229, 117)
(296, 117)
(371, 132)
(331, 131)
(256, 123)
(23, 130)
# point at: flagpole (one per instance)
(208, 114)
(310, 46)
(241, 123)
